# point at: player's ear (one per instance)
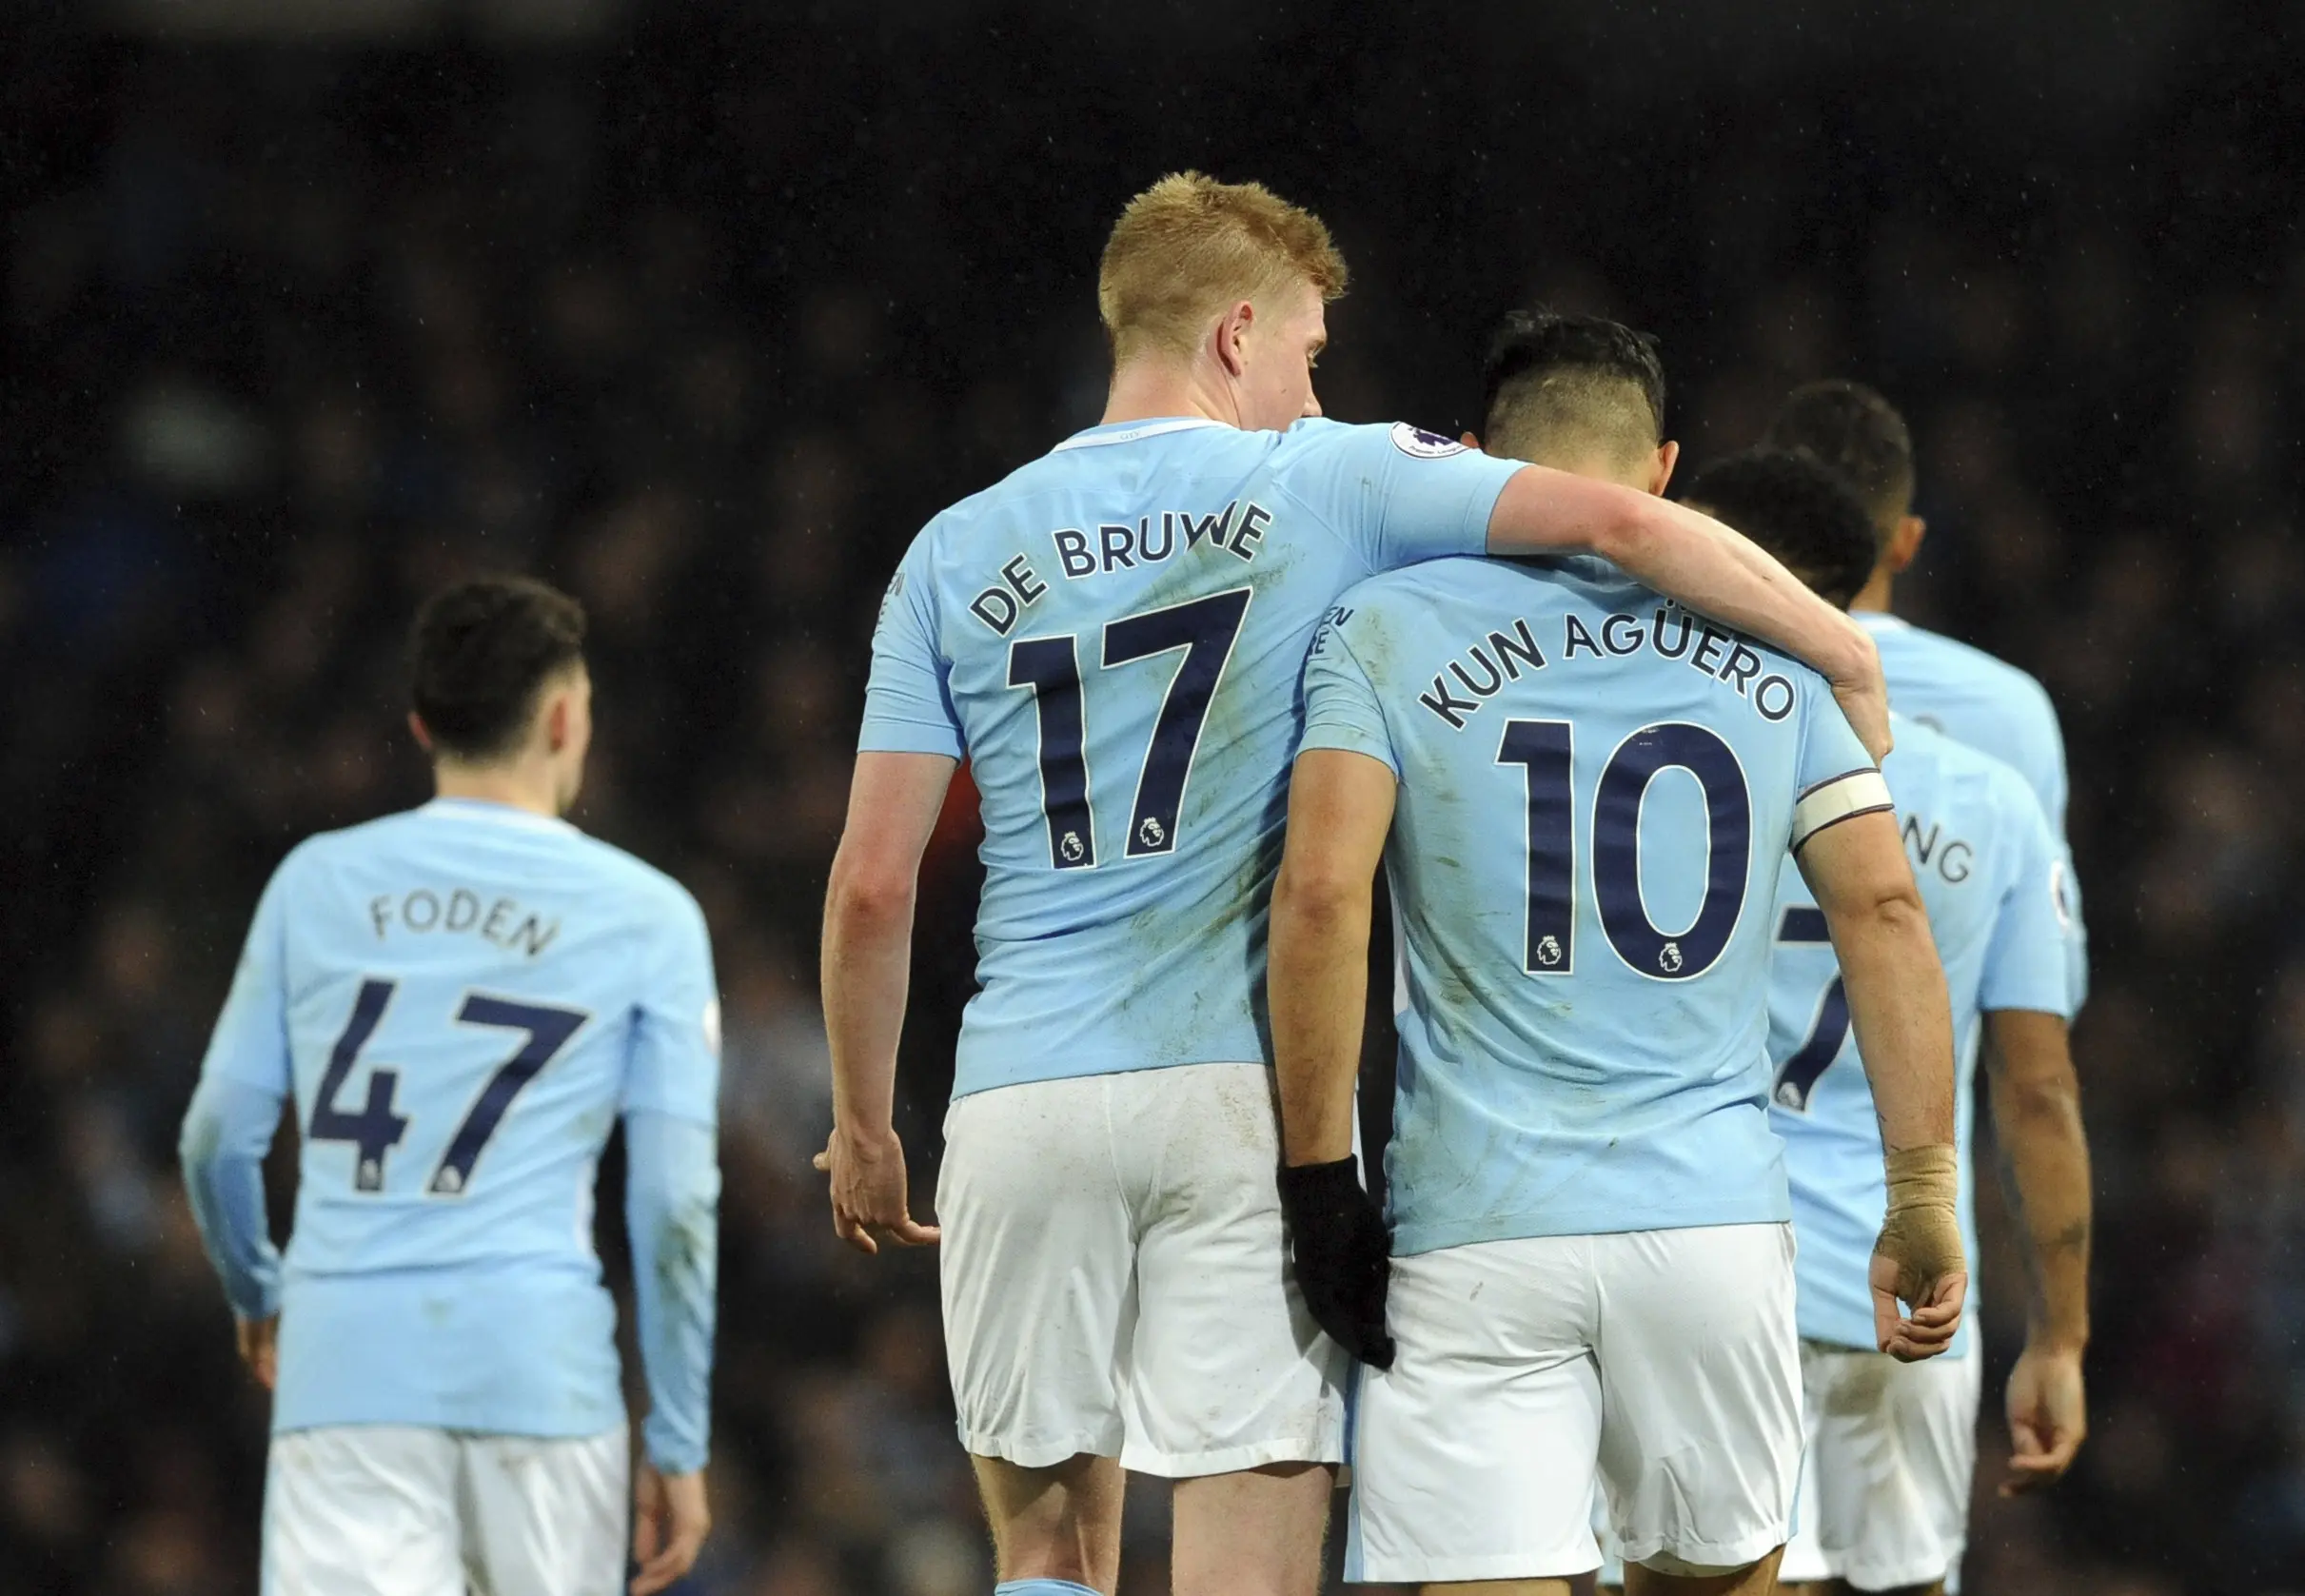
(1668, 455)
(1905, 542)
(1471, 440)
(418, 730)
(559, 721)
(1233, 337)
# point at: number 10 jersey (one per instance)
(1115, 636)
(1596, 788)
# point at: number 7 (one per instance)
(548, 1031)
(1808, 1062)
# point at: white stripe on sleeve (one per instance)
(1860, 792)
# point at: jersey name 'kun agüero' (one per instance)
(1596, 790)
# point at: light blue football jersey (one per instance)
(1595, 794)
(1114, 635)
(463, 998)
(1986, 864)
(1988, 703)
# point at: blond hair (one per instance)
(1189, 247)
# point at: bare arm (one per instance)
(1340, 810)
(1705, 566)
(1905, 1032)
(2044, 1170)
(893, 805)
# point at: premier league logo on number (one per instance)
(1425, 445)
(1789, 1096)
(1549, 951)
(1668, 958)
(1150, 834)
(1071, 847)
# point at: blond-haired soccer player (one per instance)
(1114, 635)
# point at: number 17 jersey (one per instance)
(1114, 636)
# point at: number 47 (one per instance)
(376, 1128)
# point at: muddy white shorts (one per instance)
(1665, 1364)
(1115, 1279)
(1884, 1488)
(387, 1510)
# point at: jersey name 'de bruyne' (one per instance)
(1114, 636)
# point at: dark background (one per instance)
(701, 311)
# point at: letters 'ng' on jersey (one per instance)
(1114, 636)
(1987, 862)
(1989, 705)
(1596, 790)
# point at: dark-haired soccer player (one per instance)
(463, 1000)
(1582, 796)
(1114, 635)
(1987, 703)
(1892, 1485)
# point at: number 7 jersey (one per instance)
(1114, 636)
(463, 998)
(1596, 788)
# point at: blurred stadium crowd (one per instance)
(294, 336)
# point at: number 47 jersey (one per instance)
(1596, 788)
(463, 999)
(1114, 636)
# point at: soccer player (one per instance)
(1884, 1492)
(1581, 794)
(1986, 703)
(464, 999)
(1114, 635)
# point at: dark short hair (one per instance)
(1859, 434)
(1800, 509)
(1578, 354)
(479, 655)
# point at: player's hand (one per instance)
(1917, 1260)
(1864, 696)
(869, 1193)
(1344, 1254)
(669, 1523)
(2048, 1417)
(259, 1342)
(1934, 1321)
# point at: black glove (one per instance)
(1344, 1254)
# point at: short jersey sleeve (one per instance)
(1396, 494)
(2028, 961)
(674, 1064)
(1838, 779)
(1341, 708)
(250, 1042)
(908, 704)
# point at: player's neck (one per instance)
(1147, 391)
(1873, 595)
(514, 786)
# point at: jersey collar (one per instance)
(503, 814)
(1128, 432)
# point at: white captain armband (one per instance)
(1828, 804)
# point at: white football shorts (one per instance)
(1665, 1364)
(1884, 1489)
(1115, 1279)
(394, 1511)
